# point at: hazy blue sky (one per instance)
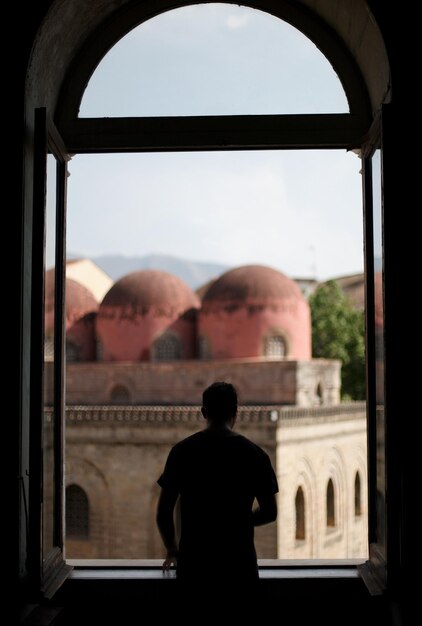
(299, 211)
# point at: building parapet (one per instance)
(192, 414)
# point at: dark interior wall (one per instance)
(60, 36)
(18, 259)
(53, 32)
(400, 33)
(67, 25)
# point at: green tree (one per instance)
(338, 332)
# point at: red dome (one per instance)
(144, 308)
(80, 311)
(255, 311)
(148, 289)
(79, 300)
(252, 283)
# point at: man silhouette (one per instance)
(218, 474)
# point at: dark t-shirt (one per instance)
(218, 475)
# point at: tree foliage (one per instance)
(338, 332)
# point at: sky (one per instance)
(297, 211)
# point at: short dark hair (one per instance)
(220, 401)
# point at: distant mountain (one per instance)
(199, 274)
(193, 273)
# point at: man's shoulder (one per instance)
(201, 439)
(190, 440)
(248, 443)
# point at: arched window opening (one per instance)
(213, 59)
(120, 395)
(168, 347)
(72, 352)
(99, 351)
(358, 496)
(331, 516)
(300, 514)
(275, 347)
(204, 351)
(319, 396)
(77, 513)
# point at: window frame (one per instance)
(374, 570)
(47, 570)
(88, 135)
(341, 130)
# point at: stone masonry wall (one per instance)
(117, 454)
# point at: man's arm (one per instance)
(266, 511)
(165, 522)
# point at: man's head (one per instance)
(219, 403)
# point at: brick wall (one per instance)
(117, 454)
(182, 382)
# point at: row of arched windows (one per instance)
(331, 521)
(168, 347)
(77, 510)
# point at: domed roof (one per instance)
(79, 299)
(252, 283)
(146, 289)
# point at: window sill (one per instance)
(269, 569)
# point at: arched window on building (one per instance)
(275, 346)
(300, 514)
(168, 347)
(319, 396)
(72, 352)
(204, 351)
(358, 496)
(99, 350)
(77, 513)
(120, 395)
(331, 515)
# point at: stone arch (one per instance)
(78, 514)
(74, 23)
(358, 524)
(304, 477)
(319, 26)
(319, 393)
(308, 481)
(120, 395)
(120, 390)
(336, 471)
(92, 480)
(358, 494)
